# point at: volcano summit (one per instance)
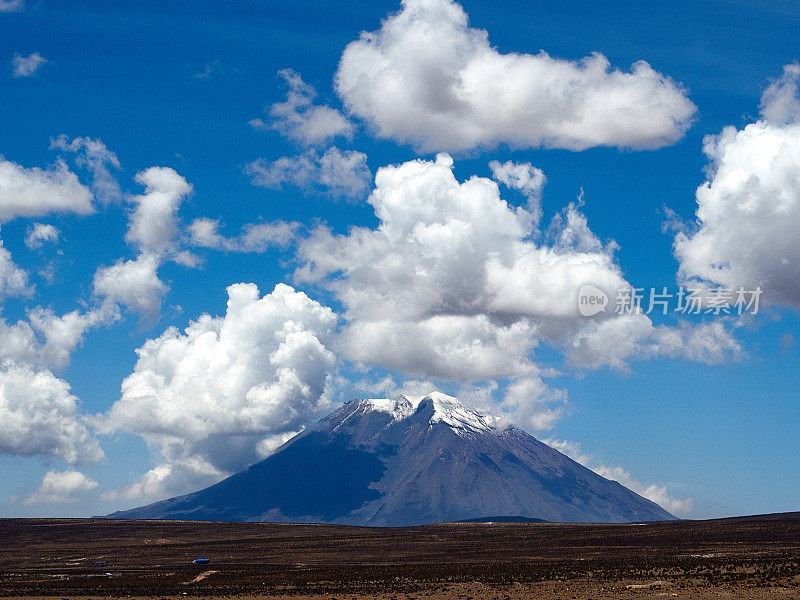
(410, 461)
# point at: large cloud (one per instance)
(39, 416)
(450, 284)
(457, 284)
(429, 79)
(747, 232)
(215, 397)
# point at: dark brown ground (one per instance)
(751, 557)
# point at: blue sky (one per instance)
(177, 87)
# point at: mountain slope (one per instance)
(410, 461)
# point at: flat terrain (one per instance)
(748, 557)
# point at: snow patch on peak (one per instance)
(446, 409)
(399, 408)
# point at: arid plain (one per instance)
(748, 557)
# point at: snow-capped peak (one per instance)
(446, 409)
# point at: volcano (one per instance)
(410, 461)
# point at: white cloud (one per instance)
(530, 402)
(614, 342)
(336, 173)
(300, 120)
(680, 507)
(449, 285)
(255, 237)
(152, 227)
(13, 279)
(37, 192)
(25, 66)
(11, 5)
(456, 284)
(59, 487)
(747, 231)
(39, 416)
(39, 233)
(153, 224)
(181, 474)
(94, 155)
(525, 178)
(46, 340)
(428, 79)
(454, 347)
(207, 398)
(134, 284)
(780, 103)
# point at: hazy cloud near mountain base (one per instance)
(60, 487)
(680, 507)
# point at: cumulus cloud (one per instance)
(255, 237)
(35, 192)
(427, 78)
(45, 340)
(93, 155)
(299, 119)
(614, 342)
(152, 228)
(780, 103)
(25, 66)
(134, 284)
(336, 173)
(456, 284)
(530, 402)
(454, 347)
(525, 178)
(680, 507)
(61, 486)
(153, 224)
(208, 397)
(39, 416)
(39, 234)
(448, 248)
(13, 279)
(449, 284)
(747, 231)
